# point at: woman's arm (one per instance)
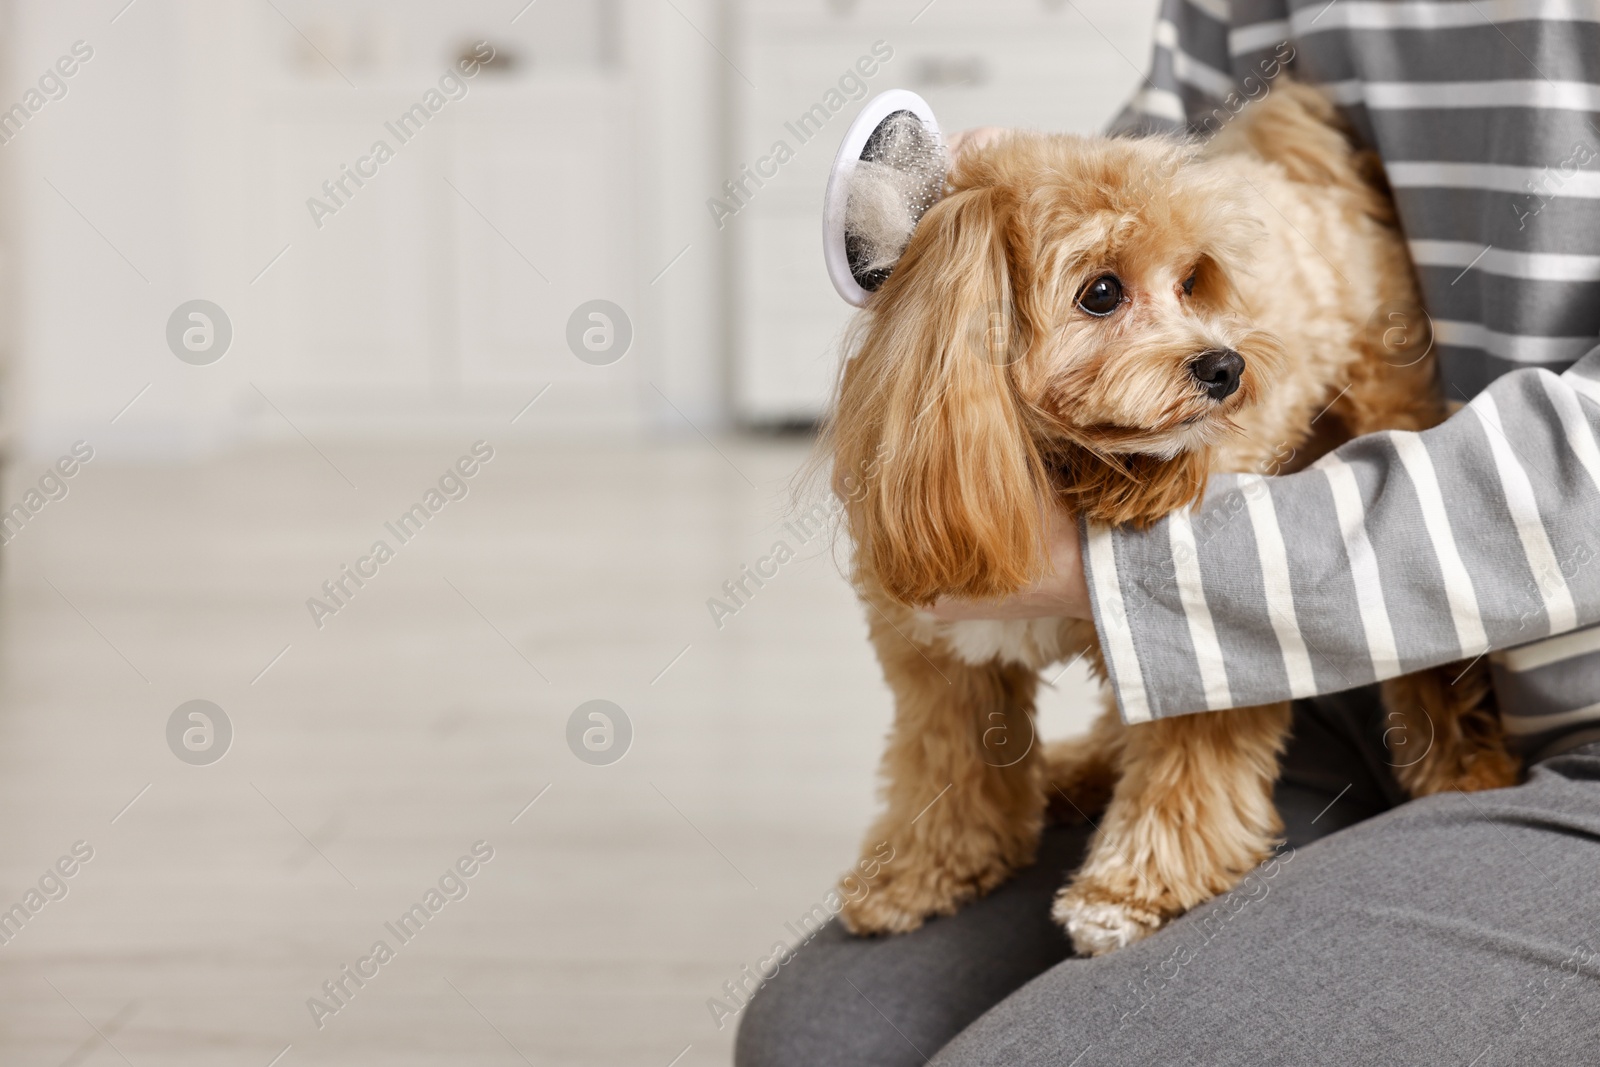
(1396, 552)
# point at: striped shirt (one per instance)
(1403, 551)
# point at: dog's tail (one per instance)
(1299, 128)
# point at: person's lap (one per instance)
(1443, 929)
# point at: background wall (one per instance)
(180, 163)
(581, 165)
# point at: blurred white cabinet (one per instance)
(452, 273)
(437, 296)
(566, 191)
(1029, 63)
(443, 286)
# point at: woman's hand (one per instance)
(1062, 593)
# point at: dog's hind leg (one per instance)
(1443, 731)
(962, 782)
(1192, 815)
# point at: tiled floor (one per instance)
(423, 717)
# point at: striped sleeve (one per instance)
(1210, 58)
(1395, 553)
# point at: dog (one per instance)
(1103, 323)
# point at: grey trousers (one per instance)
(1454, 930)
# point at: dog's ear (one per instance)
(955, 503)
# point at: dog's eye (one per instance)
(1101, 296)
(1188, 285)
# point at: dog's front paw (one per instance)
(919, 888)
(1098, 925)
(892, 907)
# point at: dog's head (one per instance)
(1066, 320)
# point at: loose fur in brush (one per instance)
(899, 177)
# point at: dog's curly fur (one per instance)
(992, 393)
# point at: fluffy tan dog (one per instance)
(1106, 322)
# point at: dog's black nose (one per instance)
(1218, 372)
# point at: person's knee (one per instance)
(817, 1011)
(773, 1029)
